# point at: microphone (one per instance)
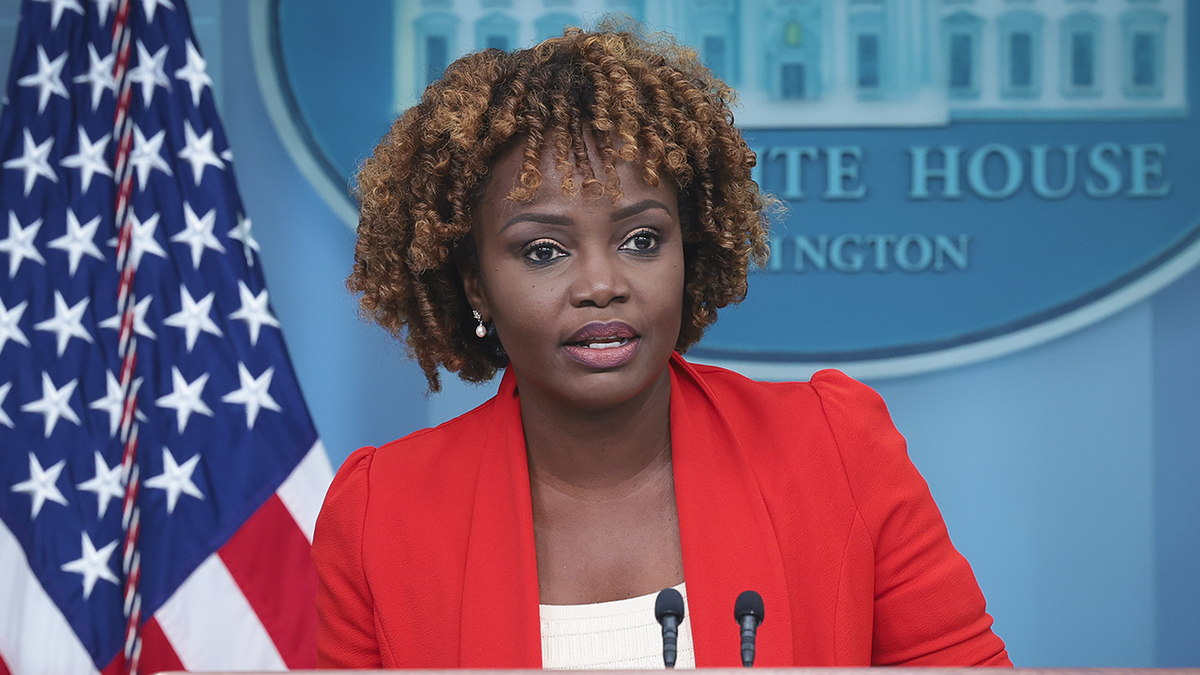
(749, 613)
(668, 609)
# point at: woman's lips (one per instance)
(604, 354)
(603, 345)
(597, 331)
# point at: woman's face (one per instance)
(586, 295)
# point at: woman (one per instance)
(575, 214)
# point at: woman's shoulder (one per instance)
(830, 413)
(453, 434)
(443, 448)
(829, 390)
(428, 476)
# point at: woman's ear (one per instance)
(468, 268)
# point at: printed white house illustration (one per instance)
(805, 63)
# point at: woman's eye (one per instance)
(543, 251)
(642, 240)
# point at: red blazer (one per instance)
(801, 491)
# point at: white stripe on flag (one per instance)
(35, 637)
(211, 626)
(304, 491)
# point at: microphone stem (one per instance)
(749, 628)
(670, 641)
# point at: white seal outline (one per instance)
(337, 195)
(1140, 288)
(280, 109)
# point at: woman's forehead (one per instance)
(507, 168)
(498, 205)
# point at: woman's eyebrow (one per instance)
(566, 221)
(548, 218)
(634, 209)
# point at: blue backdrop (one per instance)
(1068, 473)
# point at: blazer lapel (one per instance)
(729, 544)
(728, 541)
(501, 627)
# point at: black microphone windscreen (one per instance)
(749, 603)
(669, 603)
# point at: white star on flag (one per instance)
(199, 152)
(150, 72)
(104, 7)
(34, 162)
(198, 233)
(194, 317)
(195, 73)
(146, 155)
(67, 322)
(4, 418)
(139, 319)
(136, 360)
(90, 158)
(54, 404)
(241, 233)
(149, 6)
(143, 240)
(175, 479)
(41, 484)
(78, 240)
(185, 397)
(113, 402)
(10, 328)
(253, 393)
(57, 8)
(253, 311)
(99, 75)
(19, 243)
(106, 483)
(48, 78)
(93, 565)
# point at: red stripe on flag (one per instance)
(270, 559)
(4, 667)
(157, 653)
(116, 666)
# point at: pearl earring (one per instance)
(480, 330)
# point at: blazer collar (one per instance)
(728, 541)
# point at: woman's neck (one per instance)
(597, 451)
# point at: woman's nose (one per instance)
(599, 279)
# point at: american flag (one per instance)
(159, 472)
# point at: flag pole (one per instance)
(127, 343)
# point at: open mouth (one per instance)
(603, 345)
(603, 335)
(608, 343)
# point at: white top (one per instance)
(622, 634)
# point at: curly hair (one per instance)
(643, 99)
